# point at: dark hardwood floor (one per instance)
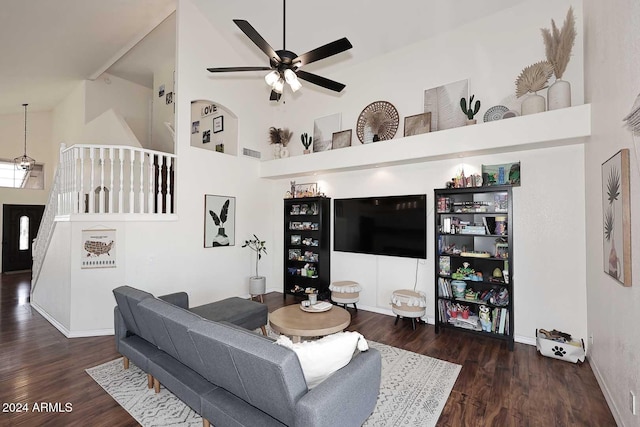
(496, 387)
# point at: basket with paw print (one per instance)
(559, 345)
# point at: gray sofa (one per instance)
(232, 376)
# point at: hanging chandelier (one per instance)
(25, 162)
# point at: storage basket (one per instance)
(569, 351)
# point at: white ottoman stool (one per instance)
(345, 292)
(408, 303)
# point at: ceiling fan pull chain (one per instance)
(284, 24)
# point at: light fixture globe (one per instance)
(25, 162)
(272, 77)
(278, 86)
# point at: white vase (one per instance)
(533, 104)
(284, 152)
(276, 150)
(257, 285)
(559, 95)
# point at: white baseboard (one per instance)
(606, 392)
(65, 331)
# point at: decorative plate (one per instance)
(312, 308)
(510, 114)
(495, 113)
(377, 122)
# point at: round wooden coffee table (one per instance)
(294, 322)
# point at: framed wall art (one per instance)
(218, 124)
(418, 124)
(616, 215)
(444, 104)
(98, 248)
(323, 129)
(219, 221)
(341, 139)
(306, 190)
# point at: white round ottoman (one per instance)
(345, 292)
(410, 304)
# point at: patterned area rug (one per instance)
(413, 391)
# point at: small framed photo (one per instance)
(218, 124)
(341, 139)
(169, 98)
(306, 190)
(418, 124)
(206, 136)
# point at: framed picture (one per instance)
(195, 127)
(323, 129)
(341, 139)
(206, 136)
(443, 102)
(505, 174)
(306, 190)
(218, 124)
(219, 221)
(98, 248)
(415, 125)
(616, 215)
(169, 98)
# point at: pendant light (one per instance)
(24, 162)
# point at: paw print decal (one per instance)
(558, 351)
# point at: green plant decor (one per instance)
(258, 246)
(471, 111)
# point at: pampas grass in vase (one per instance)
(558, 44)
(532, 79)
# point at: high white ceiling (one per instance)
(50, 45)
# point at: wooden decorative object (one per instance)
(381, 118)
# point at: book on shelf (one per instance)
(445, 266)
(503, 317)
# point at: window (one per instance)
(12, 177)
(24, 233)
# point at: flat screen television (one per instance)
(390, 225)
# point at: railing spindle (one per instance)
(132, 158)
(110, 207)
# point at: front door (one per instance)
(20, 225)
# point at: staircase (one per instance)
(105, 180)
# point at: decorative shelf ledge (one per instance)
(555, 128)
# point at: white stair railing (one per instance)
(111, 179)
(116, 179)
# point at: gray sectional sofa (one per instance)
(230, 375)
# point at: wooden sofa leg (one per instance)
(149, 381)
(156, 385)
(126, 362)
(264, 330)
(205, 423)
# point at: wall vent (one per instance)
(251, 153)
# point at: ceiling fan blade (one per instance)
(257, 38)
(325, 51)
(227, 69)
(320, 81)
(275, 96)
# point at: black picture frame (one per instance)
(218, 124)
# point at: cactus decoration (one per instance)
(471, 111)
(306, 140)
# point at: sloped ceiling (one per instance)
(48, 46)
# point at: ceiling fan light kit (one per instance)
(285, 65)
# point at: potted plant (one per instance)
(471, 111)
(257, 283)
(532, 79)
(279, 138)
(306, 142)
(558, 44)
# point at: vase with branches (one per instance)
(558, 44)
(257, 283)
(533, 78)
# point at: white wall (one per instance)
(161, 139)
(545, 284)
(132, 101)
(69, 118)
(39, 127)
(612, 45)
(490, 52)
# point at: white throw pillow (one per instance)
(323, 357)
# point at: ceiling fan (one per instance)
(285, 65)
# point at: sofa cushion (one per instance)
(169, 325)
(323, 357)
(228, 410)
(127, 299)
(251, 367)
(242, 312)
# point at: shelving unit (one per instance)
(474, 261)
(307, 256)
